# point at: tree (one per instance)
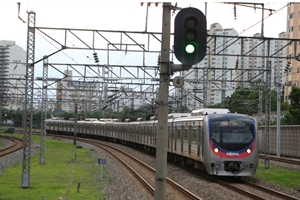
(17, 116)
(293, 115)
(245, 100)
(284, 104)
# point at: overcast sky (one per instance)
(129, 16)
(117, 15)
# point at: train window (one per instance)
(232, 123)
(186, 134)
(178, 132)
(240, 136)
(232, 134)
(194, 135)
(215, 134)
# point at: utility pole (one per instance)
(162, 126)
(190, 37)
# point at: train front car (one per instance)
(230, 145)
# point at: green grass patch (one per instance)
(65, 168)
(284, 177)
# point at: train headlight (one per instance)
(216, 150)
(249, 150)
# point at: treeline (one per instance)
(246, 101)
(243, 100)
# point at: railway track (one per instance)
(16, 144)
(273, 194)
(283, 160)
(144, 173)
(247, 189)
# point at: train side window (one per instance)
(186, 133)
(178, 132)
(194, 134)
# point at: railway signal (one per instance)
(190, 36)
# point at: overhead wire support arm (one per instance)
(245, 4)
(79, 39)
(48, 36)
(140, 45)
(47, 56)
(107, 40)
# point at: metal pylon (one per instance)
(268, 113)
(44, 112)
(28, 107)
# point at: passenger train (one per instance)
(213, 140)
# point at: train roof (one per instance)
(177, 115)
(191, 118)
(208, 111)
(91, 119)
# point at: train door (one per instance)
(172, 136)
(147, 133)
(176, 134)
(196, 136)
(134, 133)
(150, 134)
(154, 132)
(182, 136)
(190, 129)
(126, 131)
(169, 136)
(200, 139)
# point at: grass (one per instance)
(58, 178)
(284, 177)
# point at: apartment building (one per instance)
(220, 84)
(12, 74)
(293, 31)
(257, 64)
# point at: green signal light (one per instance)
(191, 47)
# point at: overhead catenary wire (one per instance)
(252, 26)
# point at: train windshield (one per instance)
(232, 135)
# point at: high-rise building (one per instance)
(218, 81)
(292, 76)
(257, 64)
(12, 74)
(248, 69)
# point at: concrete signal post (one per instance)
(190, 48)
